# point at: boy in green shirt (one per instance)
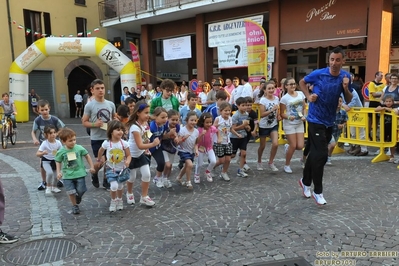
(71, 167)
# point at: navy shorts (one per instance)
(265, 132)
(239, 144)
(184, 156)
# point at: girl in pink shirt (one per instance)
(205, 146)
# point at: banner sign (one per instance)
(136, 61)
(256, 52)
(231, 32)
(177, 48)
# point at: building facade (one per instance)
(301, 34)
(58, 78)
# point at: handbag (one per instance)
(124, 175)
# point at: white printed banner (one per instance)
(231, 56)
(177, 48)
(229, 32)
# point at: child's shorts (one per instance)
(265, 132)
(76, 185)
(222, 150)
(111, 174)
(239, 143)
(184, 156)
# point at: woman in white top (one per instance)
(292, 110)
(203, 95)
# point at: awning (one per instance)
(323, 43)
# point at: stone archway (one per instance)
(83, 62)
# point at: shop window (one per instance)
(134, 38)
(80, 2)
(159, 48)
(33, 26)
(81, 27)
(395, 26)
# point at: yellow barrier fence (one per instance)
(358, 131)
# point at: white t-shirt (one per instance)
(115, 154)
(144, 132)
(78, 98)
(294, 107)
(246, 91)
(270, 120)
(202, 95)
(189, 144)
(224, 127)
(51, 148)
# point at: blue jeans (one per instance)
(75, 186)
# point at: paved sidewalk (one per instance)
(260, 218)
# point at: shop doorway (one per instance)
(79, 79)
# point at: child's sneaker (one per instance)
(189, 185)
(241, 173)
(130, 198)
(167, 183)
(305, 189)
(56, 190)
(112, 206)
(208, 175)
(42, 186)
(60, 183)
(287, 169)
(197, 179)
(119, 204)
(273, 167)
(48, 191)
(155, 180)
(319, 198)
(7, 239)
(259, 167)
(159, 182)
(246, 167)
(147, 201)
(75, 209)
(225, 176)
(180, 181)
(328, 161)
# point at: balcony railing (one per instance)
(111, 9)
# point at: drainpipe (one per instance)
(10, 30)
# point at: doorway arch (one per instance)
(79, 79)
(54, 46)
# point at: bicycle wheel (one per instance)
(4, 137)
(13, 136)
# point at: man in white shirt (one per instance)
(78, 104)
(246, 89)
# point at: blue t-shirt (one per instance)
(328, 88)
(213, 109)
(184, 111)
(157, 132)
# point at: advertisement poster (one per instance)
(256, 52)
(177, 48)
(136, 61)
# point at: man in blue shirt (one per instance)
(328, 84)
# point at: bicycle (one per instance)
(7, 131)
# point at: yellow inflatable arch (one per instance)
(54, 46)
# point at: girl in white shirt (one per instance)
(139, 136)
(268, 124)
(118, 158)
(292, 109)
(47, 151)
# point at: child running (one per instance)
(70, 167)
(222, 144)
(292, 109)
(139, 143)
(207, 133)
(47, 151)
(189, 148)
(118, 158)
(168, 144)
(268, 124)
(158, 128)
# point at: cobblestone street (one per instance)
(248, 220)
